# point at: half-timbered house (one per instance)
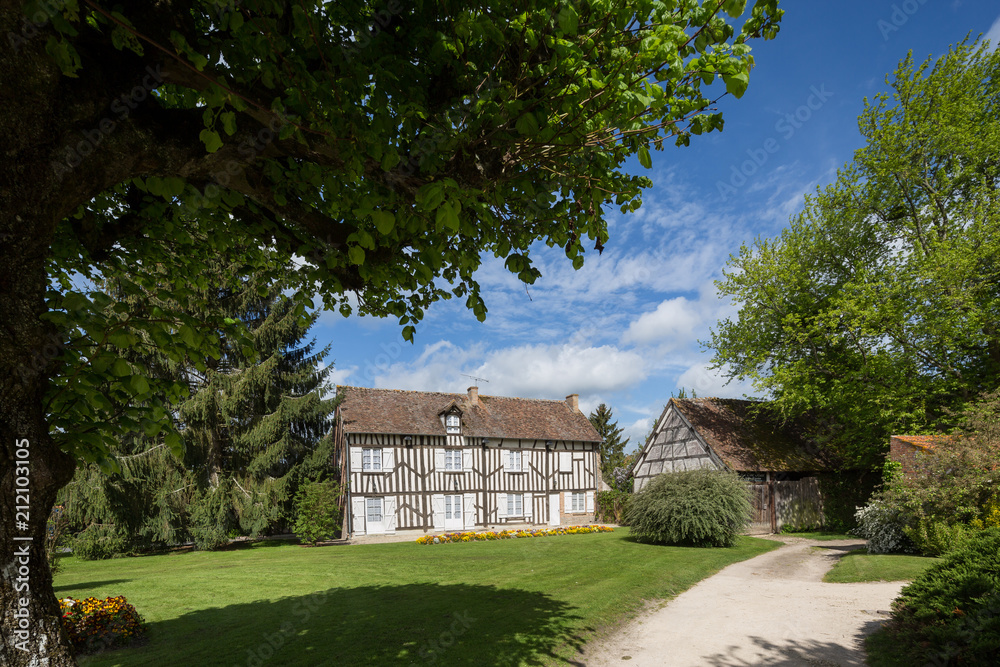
(425, 462)
(778, 459)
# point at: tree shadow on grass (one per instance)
(409, 624)
(68, 588)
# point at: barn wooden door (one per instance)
(760, 520)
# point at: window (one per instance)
(374, 507)
(453, 459)
(515, 504)
(453, 507)
(578, 502)
(513, 461)
(371, 459)
(453, 423)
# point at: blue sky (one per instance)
(624, 330)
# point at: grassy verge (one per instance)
(822, 535)
(860, 566)
(528, 601)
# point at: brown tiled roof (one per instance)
(416, 413)
(751, 439)
(927, 442)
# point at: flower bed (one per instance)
(94, 625)
(510, 534)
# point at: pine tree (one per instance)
(257, 423)
(612, 447)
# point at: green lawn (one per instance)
(526, 601)
(860, 566)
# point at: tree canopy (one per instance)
(612, 445)
(877, 308)
(383, 149)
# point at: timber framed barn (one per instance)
(778, 459)
(430, 462)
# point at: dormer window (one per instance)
(453, 424)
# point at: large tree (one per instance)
(390, 145)
(877, 309)
(612, 445)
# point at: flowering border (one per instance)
(93, 624)
(488, 535)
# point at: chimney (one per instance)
(574, 401)
(473, 395)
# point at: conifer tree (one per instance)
(612, 447)
(257, 423)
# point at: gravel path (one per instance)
(770, 610)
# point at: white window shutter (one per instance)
(439, 462)
(565, 461)
(567, 501)
(590, 501)
(437, 509)
(502, 505)
(388, 459)
(529, 500)
(358, 510)
(356, 459)
(467, 460)
(469, 510)
(389, 514)
(505, 457)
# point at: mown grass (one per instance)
(527, 601)
(860, 566)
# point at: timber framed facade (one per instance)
(433, 462)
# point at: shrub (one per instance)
(99, 542)
(93, 625)
(950, 614)
(317, 511)
(697, 507)
(611, 506)
(934, 538)
(882, 523)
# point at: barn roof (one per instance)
(749, 438)
(925, 442)
(367, 410)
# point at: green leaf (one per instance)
(120, 368)
(569, 20)
(356, 255)
(527, 124)
(447, 217)
(736, 84)
(211, 139)
(384, 221)
(175, 443)
(644, 158)
(228, 119)
(139, 384)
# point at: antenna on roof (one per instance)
(474, 377)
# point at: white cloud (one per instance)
(706, 382)
(673, 323)
(529, 371)
(993, 34)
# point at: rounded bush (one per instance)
(703, 508)
(950, 614)
(882, 524)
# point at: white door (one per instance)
(553, 509)
(375, 519)
(453, 512)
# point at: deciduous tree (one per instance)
(390, 145)
(877, 308)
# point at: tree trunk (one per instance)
(32, 469)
